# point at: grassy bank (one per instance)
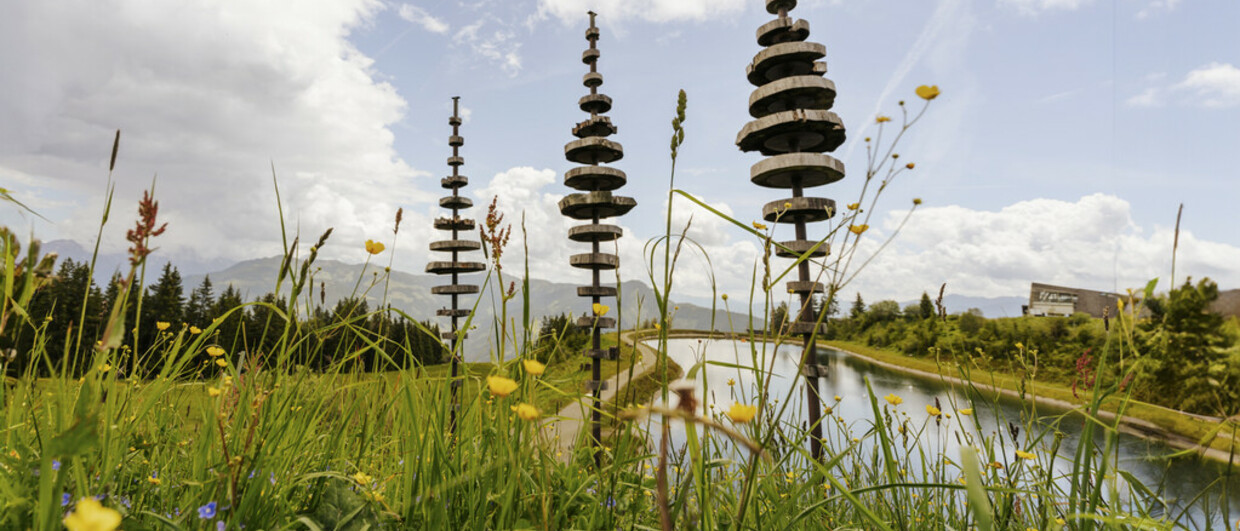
(1177, 428)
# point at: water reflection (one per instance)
(1177, 481)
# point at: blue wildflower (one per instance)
(219, 526)
(55, 465)
(65, 499)
(207, 511)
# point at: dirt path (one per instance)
(564, 427)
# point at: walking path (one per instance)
(576, 416)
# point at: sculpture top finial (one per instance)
(592, 15)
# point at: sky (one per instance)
(1067, 134)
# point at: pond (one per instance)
(1181, 479)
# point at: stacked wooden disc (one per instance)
(455, 225)
(793, 126)
(593, 204)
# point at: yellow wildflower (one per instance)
(362, 479)
(858, 229)
(376, 496)
(194, 330)
(854, 206)
(213, 392)
(162, 325)
(1025, 455)
(533, 367)
(731, 382)
(882, 119)
(893, 399)
(965, 411)
(933, 411)
(526, 411)
(601, 309)
(996, 465)
(500, 386)
(152, 479)
(374, 247)
(215, 351)
(221, 362)
(928, 92)
(90, 515)
(759, 226)
(837, 398)
(742, 413)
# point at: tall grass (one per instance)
(204, 441)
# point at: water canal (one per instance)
(1178, 481)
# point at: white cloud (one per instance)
(1034, 7)
(536, 192)
(499, 46)
(1157, 6)
(1091, 243)
(1213, 86)
(573, 11)
(209, 96)
(419, 16)
(1151, 97)
(1216, 85)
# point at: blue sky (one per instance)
(1067, 134)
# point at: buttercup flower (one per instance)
(362, 479)
(90, 515)
(162, 325)
(966, 411)
(882, 119)
(500, 386)
(195, 330)
(893, 399)
(1025, 455)
(928, 92)
(600, 309)
(759, 226)
(526, 411)
(858, 229)
(374, 247)
(154, 479)
(742, 413)
(215, 351)
(533, 367)
(854, 206)
(933, 411)
(213, 392)
(731, 382)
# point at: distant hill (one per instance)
(1228, 303)
(412, 294)
(991, 307)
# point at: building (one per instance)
(1045, 299)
